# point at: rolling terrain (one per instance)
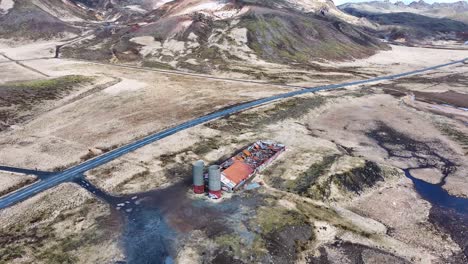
(106, 104)
(200, 36)
(417, 22)
(454, 11)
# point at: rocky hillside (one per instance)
(23, 19)
(415, 22)
(195, 35)
(208, 35)
(456, 11)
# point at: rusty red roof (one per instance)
(238, 172)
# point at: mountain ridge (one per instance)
(198, 35)
(455, 10)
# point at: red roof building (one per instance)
(243, 166)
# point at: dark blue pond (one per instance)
(436, 195)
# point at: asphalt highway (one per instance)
(78, 170)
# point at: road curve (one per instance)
(78, 170)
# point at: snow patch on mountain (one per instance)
(208, 6)
(136, 8)
(149, 45)
(158, 4)
(6, 5)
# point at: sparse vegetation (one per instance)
(292, 38)
(135, 178)
(56, 255)
(359, 178)
(306, 180)
(158, 65)
(17, 186)
(456, 135)
(231, 242)
(316, 182)
(274, 219)
(10, 253)
(28, 21)
(410, 26)
(291, 108)
(329, 215)
(55, 83)
(39, 238)
(16, 98)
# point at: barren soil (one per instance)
(10, 182)
(51, 228)
(339, 190)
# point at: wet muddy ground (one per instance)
(449, 213)
(156, 223)
(450, 97)
(246, 226)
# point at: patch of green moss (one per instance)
(137, 177)
(55, 255)
(456, 135)
(233, 245)
(296, 38)
(231, 242)
(319, 191)
(41, 241)
(10, 253)
(273, 219)
(309, 183)
(62, 251)
(158, 65)
(329, 215)
(302, 184)
(212, 53)
(258, 246)
(291, 108)
(60, 82)
(204, 146)
(359, 178)
(25, 95)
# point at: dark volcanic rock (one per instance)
(282, 245)
(346, 252)
(454, 224)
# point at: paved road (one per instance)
(78, 170)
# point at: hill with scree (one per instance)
(415, 22)
(200, 36)
(204, 36)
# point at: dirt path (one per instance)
(24, 65)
